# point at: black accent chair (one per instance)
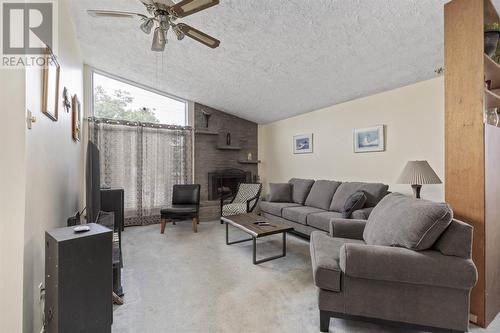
(244, 201)
(185, 206)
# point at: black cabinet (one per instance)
(78, 280)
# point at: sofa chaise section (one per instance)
(421, 276)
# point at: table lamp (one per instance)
(417, 173)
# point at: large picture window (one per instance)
(144, 142)
(119, 100)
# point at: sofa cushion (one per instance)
(374, 193)
(321, 194)
(404, 221)
(281, 192)
(322, 220)
(300, 189)
(325, 254)
(299, 214)
(362, 214)
(456, 240)
(400, 265)
(275, 207)
(354, 202)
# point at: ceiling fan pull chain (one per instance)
(156, 62)
(162, 66)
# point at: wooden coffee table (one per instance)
(252, 225)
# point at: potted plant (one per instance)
(491, 36)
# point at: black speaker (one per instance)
(112, 201)
(78, 280)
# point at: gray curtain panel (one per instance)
(146, 160)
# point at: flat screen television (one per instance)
(92, 183)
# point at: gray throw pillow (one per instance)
(374, 193)
(400, 220)
(354, 202)
(280, 192)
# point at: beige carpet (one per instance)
(186, 282)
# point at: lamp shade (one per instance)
(418, 172)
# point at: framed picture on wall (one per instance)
(50, 84)
(303, 144)
(369, 139)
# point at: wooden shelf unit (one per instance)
(491, 99)
(492, 72)
(205, 132)
(248, 162)
(228, 148)
(472, 148)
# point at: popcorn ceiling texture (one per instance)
(277, 58)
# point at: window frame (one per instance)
(93, 70)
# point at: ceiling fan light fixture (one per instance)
(162, 16)
(159, 40)
(180, 35)
(147, 25)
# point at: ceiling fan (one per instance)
(162, 17)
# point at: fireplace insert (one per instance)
(225, 182)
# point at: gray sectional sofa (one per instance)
(409, 263)
(313, 204)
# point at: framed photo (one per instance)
(76, 117)
(303, 144)
(369, 139)
(50, 85)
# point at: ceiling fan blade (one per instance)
(188, 7)
(114, 13)
(198, 35)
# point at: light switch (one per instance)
(30, 119)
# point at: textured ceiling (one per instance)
(277, 58)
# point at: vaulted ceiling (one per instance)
(277, 58)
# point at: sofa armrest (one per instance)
(399, 264)
(362, 213)
(347, 228)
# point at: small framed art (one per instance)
(303, 144)
(369, 139)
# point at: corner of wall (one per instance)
(12, 196)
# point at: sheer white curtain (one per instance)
(145, 160)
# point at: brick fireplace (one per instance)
(219, 166)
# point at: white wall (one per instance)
(54, 166)
(12, 197)
(414, 119)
